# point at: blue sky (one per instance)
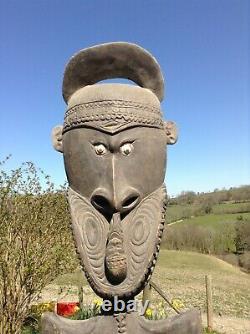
(201, 45)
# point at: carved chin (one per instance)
(118, 257)
(116, 268)
(115, 259)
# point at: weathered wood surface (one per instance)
(127, 323)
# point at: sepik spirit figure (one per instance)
(113, 142)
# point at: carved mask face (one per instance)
(114, 147)
(116, 204)
(115, 172)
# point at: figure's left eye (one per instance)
(100, 149)
(126, 148)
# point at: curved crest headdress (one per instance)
(100, 106)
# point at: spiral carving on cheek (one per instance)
(143, 233)
(90, 232)
(91, 229)
(140, 231)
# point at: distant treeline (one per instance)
(228, 238)
(236, 194)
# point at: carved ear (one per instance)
(56, 136)
(171, 132)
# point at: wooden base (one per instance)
(126, 323)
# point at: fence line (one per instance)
(209, 300)
(163, 295)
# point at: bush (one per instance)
(199, 238)
(35, 241)
(244, 261)
(242, 238)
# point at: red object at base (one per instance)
(67, 309)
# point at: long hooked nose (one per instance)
(107, 202)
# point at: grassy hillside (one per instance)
(215, 221)
(225, 211)
(231, 208)
(210, 228)
(181, 275)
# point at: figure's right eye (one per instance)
(100, 149)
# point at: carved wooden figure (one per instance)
(113, 142)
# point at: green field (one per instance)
(231, 208)
(215, 220)
(177, 212)
(181, 275)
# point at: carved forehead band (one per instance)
(113, 107)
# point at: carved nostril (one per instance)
(103, 205)
(100, 202)
(107, 206)
(130, 202)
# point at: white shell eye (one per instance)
(100, 149)
(126, 149)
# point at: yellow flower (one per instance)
(98, 302)
(43, 307)
(76, 308)
(177, 303)
(149, 312)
